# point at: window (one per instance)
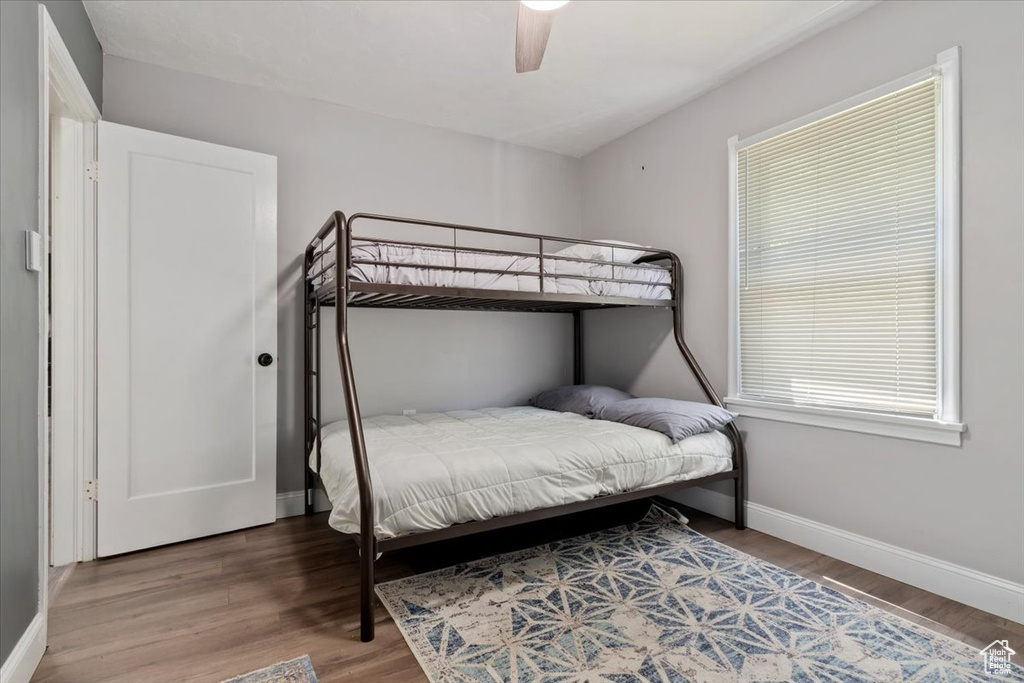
(844, 260)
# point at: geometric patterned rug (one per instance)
(657, 602)
(299, 670)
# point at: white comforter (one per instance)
(648, 281)
(433, 470)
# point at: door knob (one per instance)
(265, 359)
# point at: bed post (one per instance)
(577, 347)
(739, 455)
(367, 541)
(740, 483)
(317, 433)
(307, 374)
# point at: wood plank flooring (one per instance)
(56, 578)
(214, 608)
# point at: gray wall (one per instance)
(19, 301)
(332, 157)
(964, 505)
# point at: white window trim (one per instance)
(947, 428)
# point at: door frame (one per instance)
(57, 69)
(72, 461)
(72, 242)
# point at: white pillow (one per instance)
(596, 253)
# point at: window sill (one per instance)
(898, 426)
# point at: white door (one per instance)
(187, 305)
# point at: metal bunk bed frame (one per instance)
(343, 293)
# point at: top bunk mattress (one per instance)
(509, 272)
(431, 471)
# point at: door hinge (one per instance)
(92, 171)
(91, 490)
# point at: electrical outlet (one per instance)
(409, 413)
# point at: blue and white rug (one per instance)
(299, 670)
(657, 602)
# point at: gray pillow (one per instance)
(582, 399)
(675, 419)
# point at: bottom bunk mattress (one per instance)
(431, 471)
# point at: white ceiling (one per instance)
(610, 66)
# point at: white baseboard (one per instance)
(292, 503)
(24, 658)
(977, 589)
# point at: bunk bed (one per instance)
(344, 271)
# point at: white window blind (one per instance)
(836, 263)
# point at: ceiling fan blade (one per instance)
(532, 31)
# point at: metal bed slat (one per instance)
(468, 528)
(506, 296)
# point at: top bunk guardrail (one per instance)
(401, 273)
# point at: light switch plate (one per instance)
(33, 251)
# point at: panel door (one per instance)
(187, 304)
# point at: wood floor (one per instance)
(56, 578)
(218, 607)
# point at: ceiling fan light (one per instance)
(545, 5)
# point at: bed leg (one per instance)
(741, 502)
(367, 554)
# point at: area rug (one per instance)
(657, 602)
(298, 670)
